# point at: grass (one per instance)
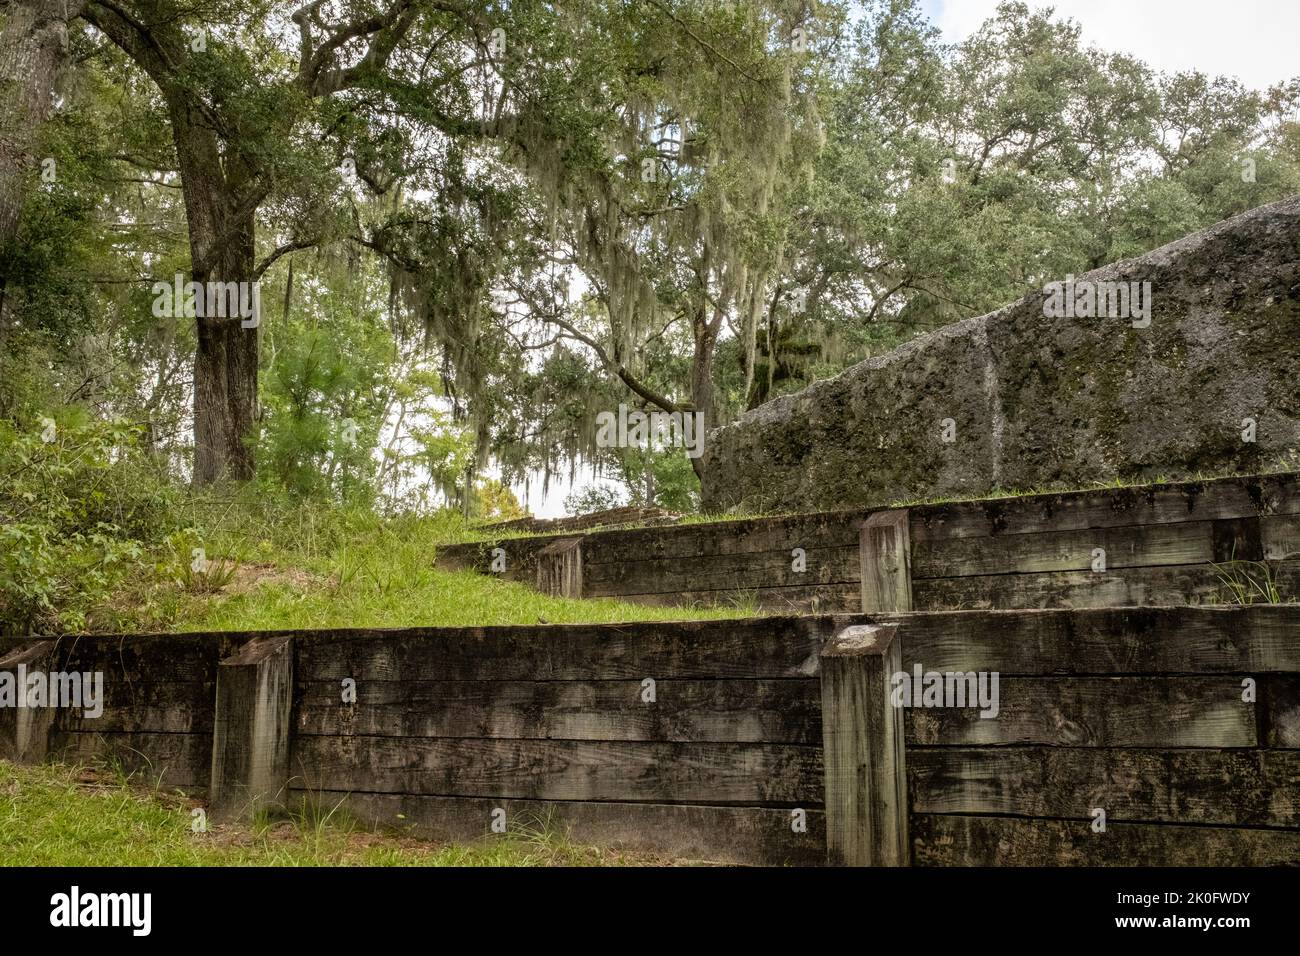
(63, 816)
(352, 570)
(1248, 582)
(280, 565)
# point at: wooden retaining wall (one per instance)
(1036, 551)
(159, 694)
(1182, 725)
(1137, 712)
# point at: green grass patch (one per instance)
(303, 571)
(62, 816)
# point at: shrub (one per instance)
(76, 505)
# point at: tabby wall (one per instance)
(1014, 399)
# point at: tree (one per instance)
(33, 48)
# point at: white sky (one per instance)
(1254, 40)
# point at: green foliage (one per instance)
(323, 396)
(75, 505)
(590, 499)
(480, 251)
(661, 477)
(494, 501)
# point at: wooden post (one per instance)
(862, 739)
(885, 547)
(250, 739)
(559, 568)
(25, 731)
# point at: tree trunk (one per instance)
(706, 338)
(222, 250)
(225, 378)
(33, 45)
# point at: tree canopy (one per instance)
(475, 226)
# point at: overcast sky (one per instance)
(1257, 41)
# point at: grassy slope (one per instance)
(362, 572)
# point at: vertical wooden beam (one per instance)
(862, 739)
(25, 731)
(885, 546)
(250, 740)
(559, 568)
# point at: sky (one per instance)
(1256, 41)
(1253, 40)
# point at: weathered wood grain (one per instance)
(722, 711)
(885, 561)
(144, 657)
(559, 568)
(1004, 841)
(762, 569)
(746, 835)
(866, 784)
(1237, 787)
(834, 529)
(1148, 711)
(252, 726)
(173, 707)
(520, 556)
(1104, 641)
(814, 599)
(25, 731)
(1190, 542)
(1222, 498)
(1280, 537)
(1115, 587)
(755, 648)
(1279, 699)
(166, 760)
(563, 769)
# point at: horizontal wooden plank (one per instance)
(1005, 841)
(746, 536)
(1115, 587)
(1109, 507)
(746, 835)
(142, 657)
(756, 648)
(165, 760)
(1238, 787)
(160, 706)
(1188, 542)
(816, 599)
(1103, 641)
(562, 769)
(722, 711)
(1097, 712)
(763, 569)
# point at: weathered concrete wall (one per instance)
(1041, 401)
